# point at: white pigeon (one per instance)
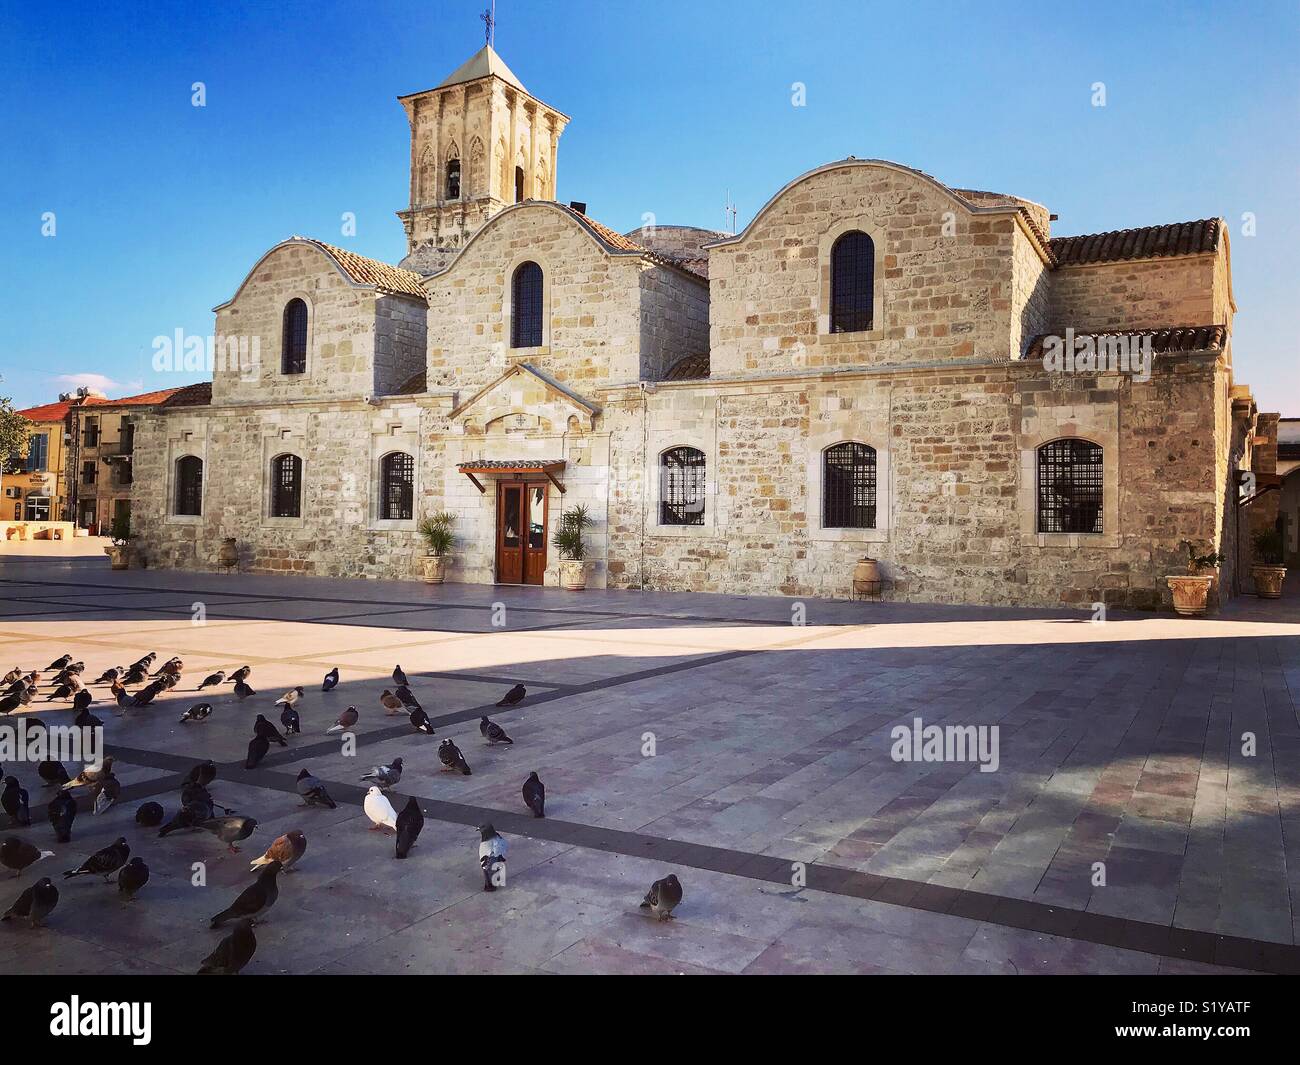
(380, 810)
(491, 853)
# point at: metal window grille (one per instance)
(453, 180)
(294, 356)
(526, 307)
(1069, 487)
(853, 268)
(849, 487)
(286, 499)
(189, 485)
(398, 486)
(681, 495)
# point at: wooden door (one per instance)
(511, 502)
(535, 538)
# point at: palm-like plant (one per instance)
(568, 534)
(436, 531)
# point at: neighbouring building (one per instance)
(880, 364)
(35, 486)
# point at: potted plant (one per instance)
(573, 551)
(436, 531)
(118, 551)
(1268, 571)
(1191, 591)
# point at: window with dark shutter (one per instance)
(293, 357)
(286, 486)
(189, 485)
(853, 268)
(526, 306)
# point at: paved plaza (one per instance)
(701, 734)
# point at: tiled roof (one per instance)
(691, 368)
(1147, 242)
(199, 395)
(509, 464)
(365, 271)
(617, 242)
(1163, 341)
(56, 412)
(145, 399)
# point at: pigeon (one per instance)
(109, 675)
(10, 703)
(82, 699)
(85, 719)
(62, 811)
(147, 695)
(232, 953)
(14, 802)
(289, 698)
(663, 897)
(135, 675)
(169, 680)
(330, 682)
(142, 665)
(420, 721)
(492, 857)
(17, 854)
(391, 703)
(36, 903)
(407, 696)
(58, 663)
(257, 748)
(12, 675)
(409, 823)
(150, 815)
(290, 720)
(254, 901)
(203, 773)
(91, 775)
(211, 680)
(346, 720)
(134, 876)
(197, 712)
(123, 698)
(230, 830)
(514, 696)
(380, 810)
(451, 758)
(286, 850)
(51, 773)
(106, 793)
(492, 732)
(243, 691)
(188, 816)
(63, 691)
(535, 795)
(167, 667)
(242, 673)
(399, 677)
(313, 791)
(386, 776)
(104, 862)
(268, 732)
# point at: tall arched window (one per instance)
(293, 352)
(189, 485)
(853, 270)
(453, 179)
(1069, 486)
(526, 306)
(849, 486)
(681, 486)
(286, 486)
(519, 184)
(397, 486)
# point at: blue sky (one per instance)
(161, 207)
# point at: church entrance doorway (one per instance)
(521, 532)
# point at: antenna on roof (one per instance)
(489, 18)
(729, 209)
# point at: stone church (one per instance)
(859, 372)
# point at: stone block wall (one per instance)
(1141, 294)
(674, 318)
(401, 341)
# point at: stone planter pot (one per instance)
(1191, 593)
(573, 574)
(866, 576)
(1268, 581)
(434, 568)
(118, 557)
(228, 554)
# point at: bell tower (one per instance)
(479, 142)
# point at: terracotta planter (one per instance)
(866, 576)
(228, 555)
(1268, 581)
(119, 557)
(573, 574)
(434, 567)
(1191, 593)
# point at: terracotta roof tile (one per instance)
(1163, 341)
(197, 395)
(691, 368)
(618, 242)
(1148, 242)
(366, 271)
(56, 412)
(145, 399)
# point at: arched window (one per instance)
(526, 306)
(1069, 487)
(286, 486)
(397, 486)
(853, 270)
(519, 184)
(189, 485)
(849, 486)
(681, 486)
(453, 179)
(293, 353)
